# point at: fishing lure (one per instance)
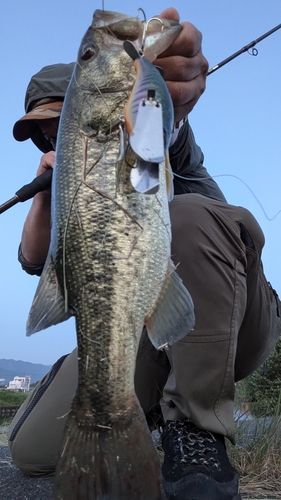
(149, 114)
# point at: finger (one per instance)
(183, 69)
(47, 161)
(185, 95)
(170, 13)
(182, 93)
(181, 112)
(187, 44)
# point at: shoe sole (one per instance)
(198, 487)
(237, 497)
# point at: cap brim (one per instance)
(25, 127)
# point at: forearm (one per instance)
(35, 238)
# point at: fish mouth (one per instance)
(121, 26)
(153, 36)
(102, 18)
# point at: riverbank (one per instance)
(15, 486)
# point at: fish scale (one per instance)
(109, 266)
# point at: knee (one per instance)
(28, 463)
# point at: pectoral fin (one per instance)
(174, 316)
(48, 307)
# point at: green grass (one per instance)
(11, 398)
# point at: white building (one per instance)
(20, 384)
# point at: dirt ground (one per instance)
(15, 486)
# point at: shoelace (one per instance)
(192, 444)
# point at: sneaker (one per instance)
(196, 466)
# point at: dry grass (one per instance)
(4, 433)
(257, 457)
(258, 477)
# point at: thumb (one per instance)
(170, 13)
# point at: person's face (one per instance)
(49, 128)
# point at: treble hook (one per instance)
(121, 147)
(145, 31)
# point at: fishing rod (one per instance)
(44, 180)
(27, 191)
(250, 45)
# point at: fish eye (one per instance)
(87, 52)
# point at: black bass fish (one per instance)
(108, 265)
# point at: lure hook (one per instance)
(145, 31)
(121, 147)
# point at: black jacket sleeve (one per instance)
(27, 266)
(190, 176)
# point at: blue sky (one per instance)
(237, 123)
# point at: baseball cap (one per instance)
(43, 100)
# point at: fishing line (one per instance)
(236, 177)
(253, 194)
(143, 13)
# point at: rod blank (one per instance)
(27, 191)
(244, 49)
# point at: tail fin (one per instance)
(117, 463)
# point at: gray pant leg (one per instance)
(260, 329)
(35, 441)
(215, 266)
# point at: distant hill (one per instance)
(10, 368)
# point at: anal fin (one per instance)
(174, 316)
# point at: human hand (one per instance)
(185, 67)
(47, 161)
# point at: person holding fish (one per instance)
(186, 391)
